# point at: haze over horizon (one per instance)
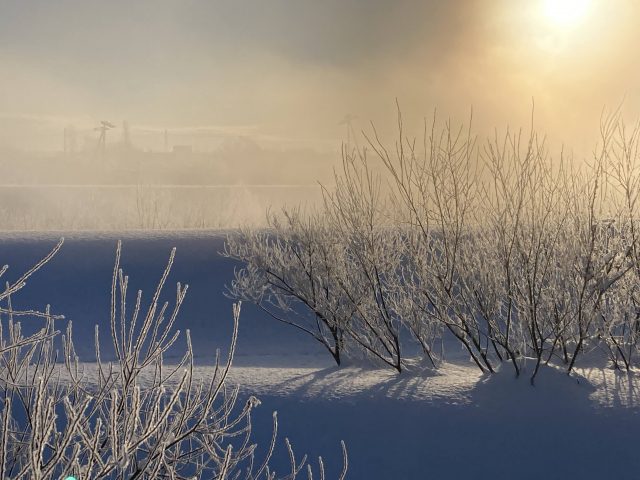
(284, 74)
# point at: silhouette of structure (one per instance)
(102, 139)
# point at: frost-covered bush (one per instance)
(515, 255)
(294, 274)
(332, 274)
(135, 418)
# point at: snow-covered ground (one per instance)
(417, 425)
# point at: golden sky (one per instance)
(287, 72)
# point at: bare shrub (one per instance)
(137, 418)
(371, 261)
(293, 274)
(518, 256)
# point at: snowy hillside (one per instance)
(415, 425)
(77, 283)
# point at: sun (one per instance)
(566, 13)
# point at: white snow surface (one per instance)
(451, 424)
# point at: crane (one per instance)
(103, 128)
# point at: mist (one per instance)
(254, 95)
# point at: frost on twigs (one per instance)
(138, 418)
(497, 247)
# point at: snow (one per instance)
(450, 424)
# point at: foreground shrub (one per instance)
(137, 418)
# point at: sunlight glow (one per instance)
(566, 13)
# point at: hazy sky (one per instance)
(287, 72)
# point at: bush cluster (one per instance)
(515, 254)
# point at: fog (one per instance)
(256, 93)
(117, 186)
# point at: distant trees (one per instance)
(517, 256)
(137, 418)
